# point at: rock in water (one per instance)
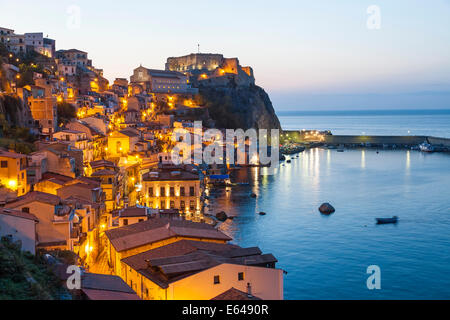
(327, 208)
(221, 216)
(262, 213)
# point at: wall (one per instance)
(47, 230)
(20, 229)
(266, 283)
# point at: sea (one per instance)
(332, 257)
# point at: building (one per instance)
(78, 140)
(132, 215)
(120, 143)
(161, 81)
(37, 42)
(13, 174)
(172, 187)
(42, 104)
(211, 69)
(153, 233)
(19, 226)
(55, 218)
(73, 57)
(109, 176)
(195, 270)
(104, 287)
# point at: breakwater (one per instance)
(363, 140)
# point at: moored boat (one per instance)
(387, 220)
(426, 147)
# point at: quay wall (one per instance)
(297, 136)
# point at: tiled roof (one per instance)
(101, 163)
(157, 229)
(19, 214)
(168, 175)
(13, 155)
(133, 212)
(34, 196)
(184, 258)
(103, 172)
(235, 294)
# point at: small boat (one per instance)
(387, 220)
(426, 147)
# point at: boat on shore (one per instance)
(393, 220)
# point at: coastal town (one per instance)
(86, 175)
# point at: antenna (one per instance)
(198, 45)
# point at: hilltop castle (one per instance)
(211, 69)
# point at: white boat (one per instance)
(426, 147)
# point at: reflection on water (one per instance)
(327, 257)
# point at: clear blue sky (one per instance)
(306, 54)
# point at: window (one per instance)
(150, 192)
(172, 191)
(140, 220)
(26, 209)
(182, 191)
(240, 276)
(4, 164)
(162, 205)
(125, 222)
(163, 192)
(191, 191)
(216, 279)
(172, 204)
(191, 205)
(182, 205)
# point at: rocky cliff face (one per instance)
(15, 111)
(234, 107)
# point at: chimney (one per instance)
(249, 290)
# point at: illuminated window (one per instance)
(216, 279)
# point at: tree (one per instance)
(66, 112)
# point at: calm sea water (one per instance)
(371, 122)
(326, 257)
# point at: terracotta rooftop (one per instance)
(13, 155)
(157, 229)
(106, 287)
(19, 214)
(235, 294)
(34, 196)
(170, 175)
(56, 178)
(184, 258)
(103, 172)
(101, 163)
(133, 212)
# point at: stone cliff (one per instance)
(16, 113)
(234, 107)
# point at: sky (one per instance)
(307, 55)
